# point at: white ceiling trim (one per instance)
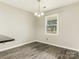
(32, 5)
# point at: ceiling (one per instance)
(32, 5)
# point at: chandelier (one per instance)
(39, 13)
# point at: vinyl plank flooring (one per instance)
(37, 50)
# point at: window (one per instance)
(51, 24)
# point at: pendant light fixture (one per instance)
(39, 13)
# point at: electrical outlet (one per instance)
(46, 38)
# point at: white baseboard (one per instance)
(58, 45)
(15, 46)
(38, 41)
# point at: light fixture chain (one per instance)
(39, 13)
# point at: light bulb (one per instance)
(36, 13)
(42, 13)
(39, 15)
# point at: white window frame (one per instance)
(46, 18)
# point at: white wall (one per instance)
(68, 28)
(16, 24)
(20, 25)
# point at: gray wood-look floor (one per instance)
(38, 50)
